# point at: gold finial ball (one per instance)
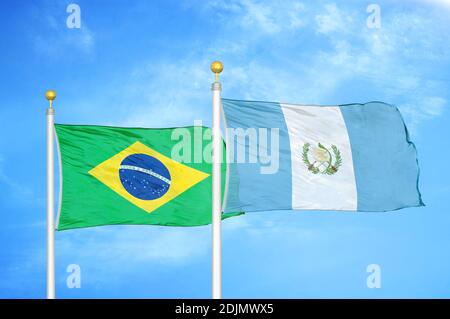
(50, 95)
(216, 67)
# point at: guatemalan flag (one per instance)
(353, 157)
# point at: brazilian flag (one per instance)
(140, 176)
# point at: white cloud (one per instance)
(167, 94)
(433, 105)
(388, 60)
(55, 38)
(444, 3)
(333, 20)
(55, 43)
(272, 17)
(423, 108)
(266, 17)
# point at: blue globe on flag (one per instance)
(144, 177)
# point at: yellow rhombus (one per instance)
(182, 177)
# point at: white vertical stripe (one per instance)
(325, 125)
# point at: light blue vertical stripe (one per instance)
(248, 189)
(384, 158)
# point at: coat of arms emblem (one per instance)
(323, 160)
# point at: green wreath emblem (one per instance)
(329, 163)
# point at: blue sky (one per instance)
(142, 63)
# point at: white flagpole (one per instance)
(216, 67)
(50, 95)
